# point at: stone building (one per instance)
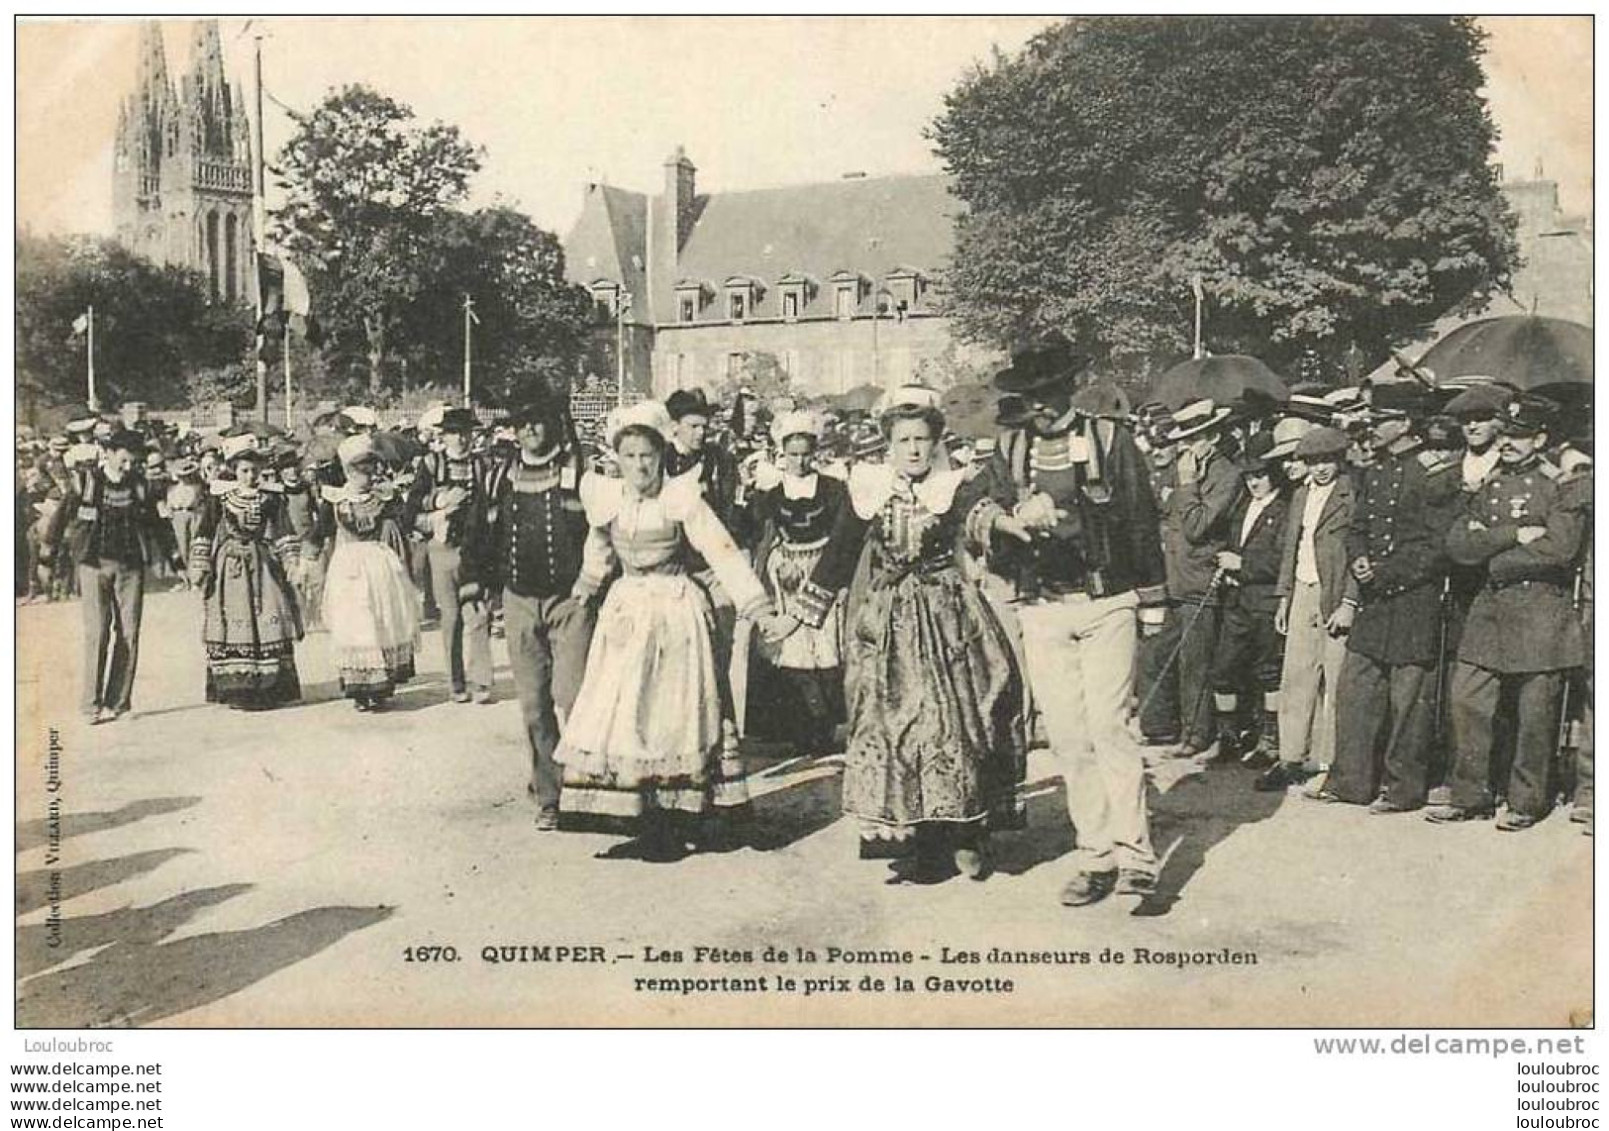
(182, 190)
(833, 284)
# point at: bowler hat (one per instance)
(1050, 363)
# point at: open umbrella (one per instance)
(1226, 379)
(1522, 350)
(860, 397)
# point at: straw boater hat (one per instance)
(361, 415)
(1195, 419)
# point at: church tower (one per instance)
(181, 175)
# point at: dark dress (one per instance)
(251, 622)
(935, 709)
(797, 695)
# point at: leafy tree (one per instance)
(1326, 178)
(366, 190)
(154, 326)
(533, 325)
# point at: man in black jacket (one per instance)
(109, 525)
(1091, 576)
(525, 536)
(1249, 650)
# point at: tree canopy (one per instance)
(1326, 178)
(372, 217)
(153, 325)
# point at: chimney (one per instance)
(679, 193)
(670, 222)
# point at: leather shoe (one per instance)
(547, 821)
(1088, 887)
(1280, 778)
(1512, 822)
(1386, 805)
(1132, 881)
(1452, 814)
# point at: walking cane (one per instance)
(1439, 733)
(1568, 739)
(1212, 586)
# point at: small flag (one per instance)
(1196, 289)
(469, 310)
(297, 298)
(81, 323)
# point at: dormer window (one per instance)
(691, 297)
(796, 290)
(605, 299)
(743, 294)
(848, 288)
(905, 288)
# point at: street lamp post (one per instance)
(621, 309)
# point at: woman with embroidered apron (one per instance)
(795, 508)
(644, 739)
(240, 559)
(936, 745)
(369, 604)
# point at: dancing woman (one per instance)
(936, 744)
(795, 509)
(644, 739)
(240, 559)
(369, 604)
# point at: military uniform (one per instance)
(1385, 701)
(1522, 635)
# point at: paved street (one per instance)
(221, 868)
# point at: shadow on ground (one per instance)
(131, 983)
(34, 888)
(137, 925)
(32, 834)
(1198, 812)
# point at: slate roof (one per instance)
(873, 227)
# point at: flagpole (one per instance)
(469, 308)
(1195, 287)
(94, 405)
(288, 395)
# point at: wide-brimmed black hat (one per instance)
(458, 420)
(1258, 453)
(535, 405)
(1049, 363)
(126, 439)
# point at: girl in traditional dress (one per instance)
(369, 604)
(239, 558)
(795, 509)
(936, 746)
(644, 738)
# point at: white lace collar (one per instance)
(871, 485)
